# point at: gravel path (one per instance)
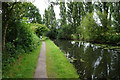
(40, 71)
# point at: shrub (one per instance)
(65, 32)
(24, 41)
(40, 29)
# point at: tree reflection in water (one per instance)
(92, 62)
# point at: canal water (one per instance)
(90, 61)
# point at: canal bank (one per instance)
(58, 66)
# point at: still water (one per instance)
(90, 61)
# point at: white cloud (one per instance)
(43, 4)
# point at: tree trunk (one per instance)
(6, 25)
(4, 35)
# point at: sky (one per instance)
(43, 4)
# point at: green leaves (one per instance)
(40, 29)
(88, 27)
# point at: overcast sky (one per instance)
(43, 4)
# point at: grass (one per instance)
(24, 66)
(58, 65)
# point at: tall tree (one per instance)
(75, 12)
(69, 13)
(116, 16)
(7, 9)
(62, 13)
(88, 7)
(15, 11)
(51, 22)
(51, 15)
(103, 15)
(33, 14)
(74, 16)
(46, 18)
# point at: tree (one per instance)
(6, 15)
(75, 12)
(104, 21)
(40, 29)
(46, 18)
(116, 16)
(50, 21)
(88, 7)
(52, 17)
(62, 13)
(33, 14)
(74, 17)
(14, 12)
(69, 13)
(88, 28)
(64, 32)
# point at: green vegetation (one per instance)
(50, 21)
(85, 21)
(22, 25)
(40, 29)
(105, 46)
(88, 28)
(58, 65)
(23, 66)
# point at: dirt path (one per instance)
(40, 71)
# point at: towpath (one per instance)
(40, 71)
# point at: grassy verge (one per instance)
(58, 65)
(24, 66)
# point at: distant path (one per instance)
(40, 71)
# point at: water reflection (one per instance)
(92, 62)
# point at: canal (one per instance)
(90, 61)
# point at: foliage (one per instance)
(19, 36)
(14, 12)
(88, 28)
(46, 18)
(33, 14)
(22, 40)
(52, 33)
(104, 21)
(62, 13)
(116, 16)
(78, 21)
(50, 22)
(40, 29)
(65, 32)
(23, 66)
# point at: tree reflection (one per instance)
(92, 63)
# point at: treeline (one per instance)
(21, 29)
(96, 22)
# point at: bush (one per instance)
(65, 32)
(26, 38)
(52, 33)
(40, 29)
(74, 37)
(24, 41)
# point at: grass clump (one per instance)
(58, 65)
(24, 66)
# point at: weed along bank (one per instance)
(58, 66)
